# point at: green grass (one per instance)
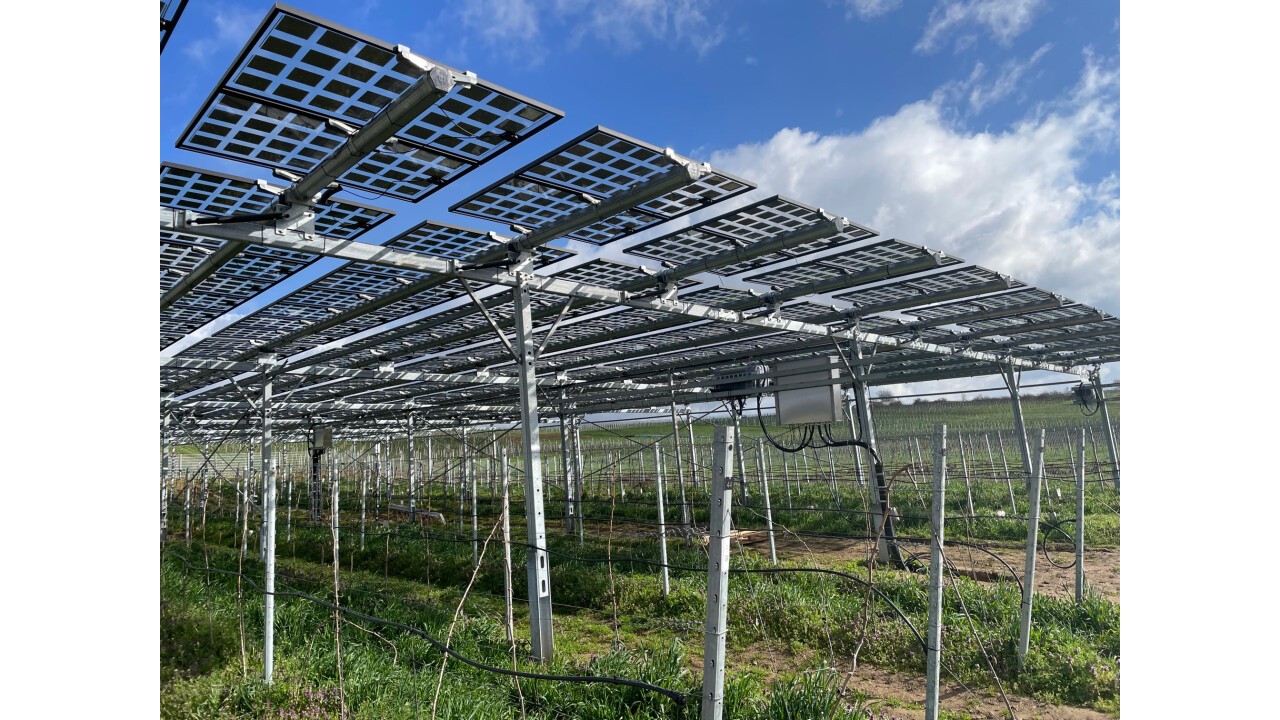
(804, 622)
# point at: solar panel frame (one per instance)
(601, 163)
(217, 193)
(272, 137)
(259, 71)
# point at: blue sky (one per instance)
(988, 129)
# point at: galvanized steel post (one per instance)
(412, 466)
(662, 519)
(726, 438)
(736, 412)
(1033, 530)
(768, 508)
(1080, 520)
(1106, 424)
(538, 565)
(269, 534)
(686, 527)
(933, 636)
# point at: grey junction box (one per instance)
(811, 405)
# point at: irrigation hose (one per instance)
(676, 696)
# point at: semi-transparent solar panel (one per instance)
(241, 128)
(1001, 301)
(922, 287)
(604, 273)
(848, 262)
(758, 222)
(1067, 312)
(717, 296)
(214, 193)
(597, 165)
(244, 276)
(300, 61)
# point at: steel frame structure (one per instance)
(611, 314)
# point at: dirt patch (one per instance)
(1101, 566)
(902, 698)
(894, 695)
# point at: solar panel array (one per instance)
(302, 85)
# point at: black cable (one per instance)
(808, 437)
(678, 697)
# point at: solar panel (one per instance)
(299, 62)
(754, 223)
(595, 166)
(214, 193)
(451, 241)
(604, 273)
(237, 127)
(987, 303)
(900, 291)
(241, 278)
(845, 262)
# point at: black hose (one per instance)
(677, 696)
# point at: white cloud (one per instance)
(1013, 201)
(232, 27)
(1003, 19)
(979, 93)
(516, 28)
(867, 9)
(628, 24)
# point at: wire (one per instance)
(677, 696)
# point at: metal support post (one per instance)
(166, 442)
(726, 438)
(269, 516)
(768, 508)
(538, 563)
(1033, 529)
(662, 519)
(412, 466)
(937, 571)
(1106, 424)
(475, 526)
(686, 522)
(736, 411)
(879, 492)
(693, 447)
(964, 470)
(851, 411)
(575, 426)
(1004, 461)
(567, 467)
(364, 497)
(1080, 519)
(1019, 426)
(506, 547)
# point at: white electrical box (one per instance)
(821, 404)
(321, 438)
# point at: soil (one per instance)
(896, 695)
(1101, 566)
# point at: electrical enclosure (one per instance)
(811, 405)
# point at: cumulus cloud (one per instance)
(1002, 19)
(1012, 200)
